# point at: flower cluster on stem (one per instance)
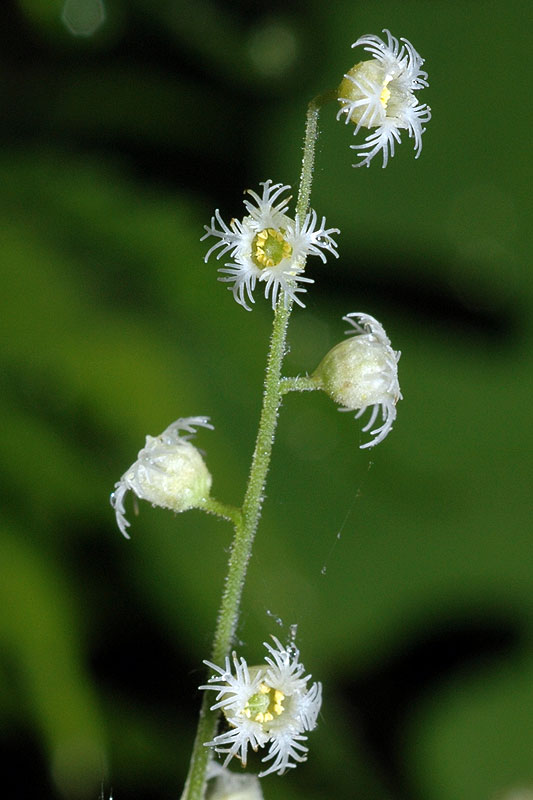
(272, 706)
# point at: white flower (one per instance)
(362, 372)
(169, 472)
(380, 94)
(266, 705)
(269, 246)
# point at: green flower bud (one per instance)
(362, 371)
(169, 472)
(226, 785)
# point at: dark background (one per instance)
(407, 568)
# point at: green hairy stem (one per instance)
(246, 519)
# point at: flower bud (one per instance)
(169, 472)
(226, 785)
(362, 371)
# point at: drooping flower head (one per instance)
(380, 94)
(362, 372)
(268, 705)
(269, 246)
(169, 472)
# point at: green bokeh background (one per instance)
(408, 569)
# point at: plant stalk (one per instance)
(245, 527)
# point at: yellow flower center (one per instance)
(269, 248)
(385, 92)
(265, 705)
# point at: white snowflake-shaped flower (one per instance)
(268, 705)
(169, 472)
(379, 94)
(361, 372)
(269, 246)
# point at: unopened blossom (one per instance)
(379, 94)
(226, 785)
(269, 247)
(267, 706)
(169, 472)
(361, 372)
